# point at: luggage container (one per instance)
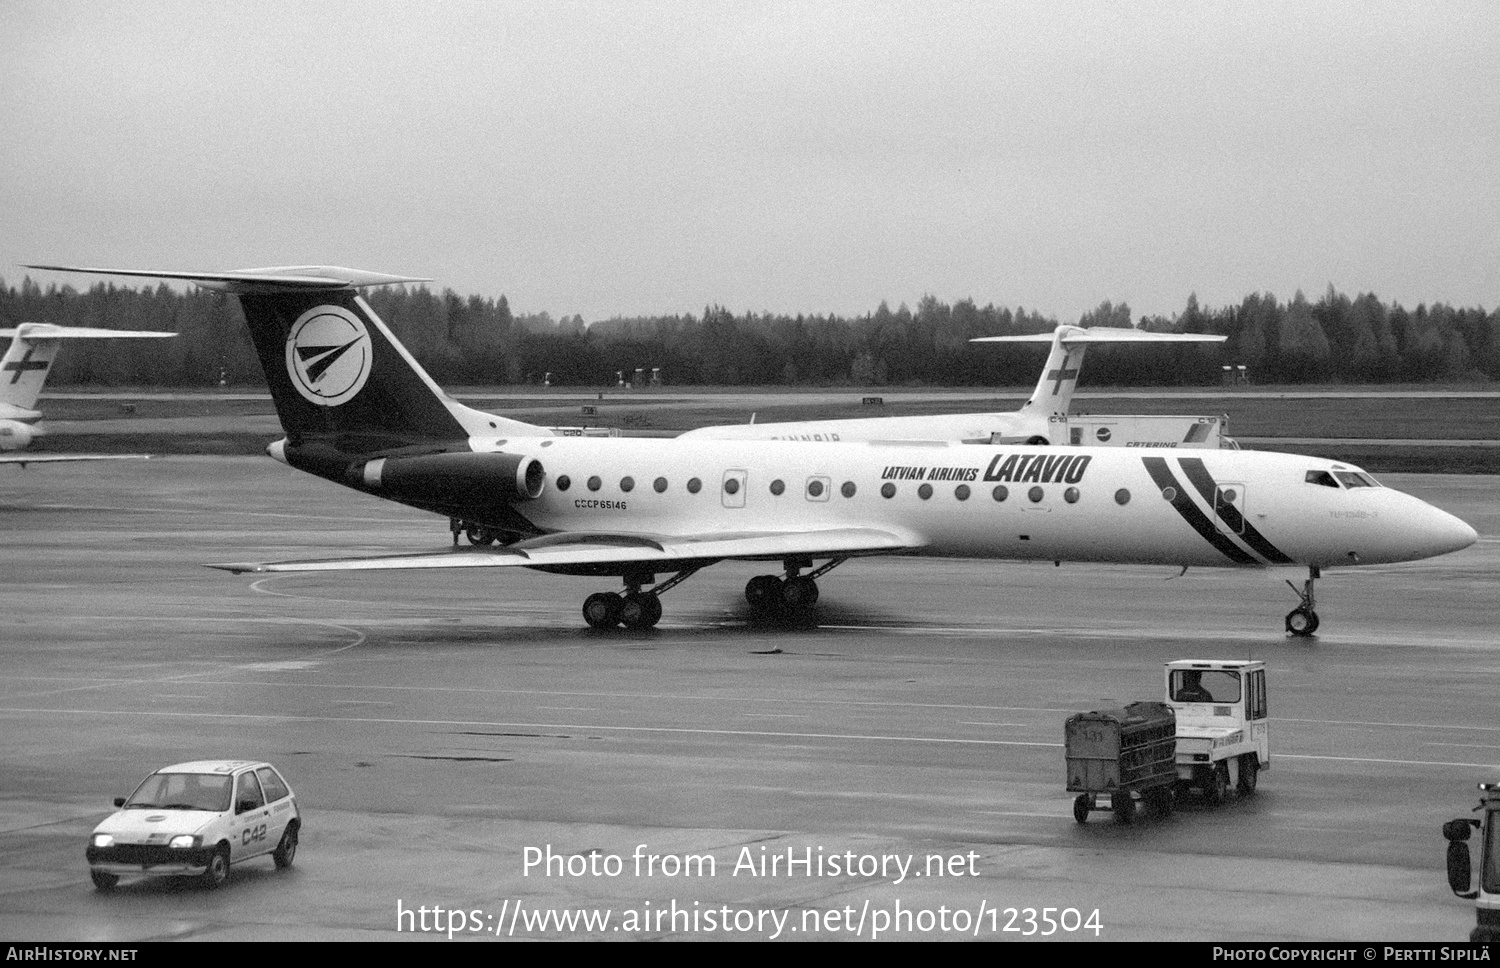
(1121, 754)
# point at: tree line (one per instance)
(479, 341)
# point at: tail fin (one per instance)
(335, 372)
(1054, 390)
(33, 347)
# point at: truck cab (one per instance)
(1484, 890)
(1223, 726)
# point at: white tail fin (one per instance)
(1054, 390)
(33, 347)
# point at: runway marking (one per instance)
(549, 692)
(676, 730)
(867, 703)
(359, 639)
(1355, 722)
(370, 721)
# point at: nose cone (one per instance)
(1423, 531)
(1450, 533)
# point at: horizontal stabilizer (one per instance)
(24, 459)
(584, 549)
(274, 279)
(53, 331)
(1076, 335)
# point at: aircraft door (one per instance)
(1229, 507)
(733, 489)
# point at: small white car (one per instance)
(194, 820)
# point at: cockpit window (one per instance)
(1355, 479)
(1321, 478)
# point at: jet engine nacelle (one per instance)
(459, 479)
(15, 435)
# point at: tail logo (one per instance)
(328, 355)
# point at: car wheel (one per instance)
(218, 869)
(103, 880)
(286, 851)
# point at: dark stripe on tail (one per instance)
(342, 380)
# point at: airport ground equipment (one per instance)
(1212, 734)
(1122, 754)
(1152, 431)
(1223, 724)
(1485, 889)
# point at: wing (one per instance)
(24, 459)
(581, 549)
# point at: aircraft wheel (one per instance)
(478, 536)
(640, 610)
(1081, 808)
(1249, 773)
(799, 593)
(763, 592)
(602, 610)
(1123, 806)
(1302, 622)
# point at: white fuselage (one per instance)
(1074, 504)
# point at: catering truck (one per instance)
(1484, 890)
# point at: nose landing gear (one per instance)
(1302, 621)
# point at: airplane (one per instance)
(359, 411)
(24, 369)
(1044, 419)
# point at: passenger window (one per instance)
(271, 784)
(1322, 479)
(247, 794)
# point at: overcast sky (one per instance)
(615, 158)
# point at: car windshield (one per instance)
(182, 791)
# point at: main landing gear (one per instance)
(773, 596)
(1302, 621)
(478, 534)
(632, 608)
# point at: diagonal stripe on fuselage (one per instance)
(1197, 472)
(1162, 475)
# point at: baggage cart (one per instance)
(1121, 753)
